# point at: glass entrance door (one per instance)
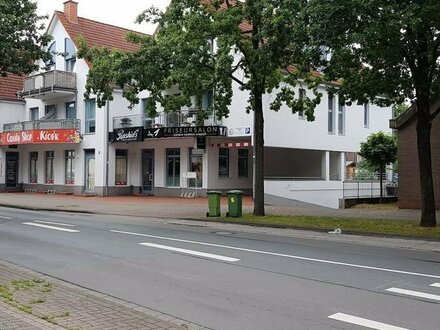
(147, 171)
(11, 169)
(89, 172)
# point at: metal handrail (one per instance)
(42, 124)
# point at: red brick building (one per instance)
(409, 179)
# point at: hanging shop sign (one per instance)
(40, 136)
(164, 132)
(128, 134)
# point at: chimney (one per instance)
(71, 11)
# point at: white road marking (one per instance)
(50, 227)
(282, 255)
(364, 322)
(54, 223)
(8, 218)
(436, 285)
(414, 293)
(191, 252)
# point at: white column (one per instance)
(342, 166)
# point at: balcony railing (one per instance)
(187, 117)
(42, 124)
(50, 81)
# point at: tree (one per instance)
(379, 150)
(386, 52)
(21, 43)
(255, 44)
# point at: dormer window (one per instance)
(50, 64)
(70, 55)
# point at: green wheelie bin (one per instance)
(213, 203)
(234, 203)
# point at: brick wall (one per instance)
(409, 180)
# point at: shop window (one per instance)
(33, 169)
(49, 171)
(243, 162)
(196, 166)
(223, 162)
(173, 167)
(121, 167)
(70, 166)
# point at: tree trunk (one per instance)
(259, 155)
(428, 218)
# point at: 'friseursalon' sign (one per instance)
(127, 134)
(164, 132)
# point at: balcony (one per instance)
(49, 85)
(186, 117)
(42, 124)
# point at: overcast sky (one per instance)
(120, 13)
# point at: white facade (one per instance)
(304, 161)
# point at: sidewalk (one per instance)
(72, 307)
(37, 301)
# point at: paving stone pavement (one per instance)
(54, 304)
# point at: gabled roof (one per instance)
(9, 86)
(97, 33)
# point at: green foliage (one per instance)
(257, 57)
(21, 37)
(379, 150)
(383, 51)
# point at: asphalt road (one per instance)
(229, 279)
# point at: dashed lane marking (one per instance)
(50, 227)
(191, 252)
(364, 322)
(55, 223)
(415, 293)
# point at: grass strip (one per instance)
(406, 228)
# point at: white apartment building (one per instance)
(63, 142)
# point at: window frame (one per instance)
(69, 166)
(243, 160)
(301, 96)
(89, 120)
(331, 113)
(341, 117)
(367, 115)
(173, 156)
(34, 113)
(224, 169)
(33, 167)
(49, 170)
(121, 179)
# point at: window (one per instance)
(70, 59)
(34, 114)
(70, 166)
(90, 116)
(207, 99)
(70, 110)
(302, 95)
(341, 117)
(366, 115)
(50, 155)
(223, 162)
(243, 162)
(121, 167)
(331, 114)
(33, 169)
(173, 167)
(50, 64)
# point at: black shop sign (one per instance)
(164, 132)
(128, 134)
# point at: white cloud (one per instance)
(120, 13)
